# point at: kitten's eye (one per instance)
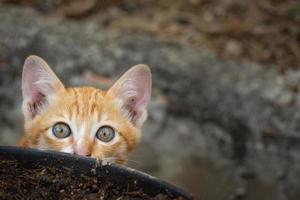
(61, 130)
(105, 134)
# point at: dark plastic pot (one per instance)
(119, 175)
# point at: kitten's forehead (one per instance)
(83, 110)
(85, 94)
(84, 102)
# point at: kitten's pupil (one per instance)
(105, 134)
(59, 130)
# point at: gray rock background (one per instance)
(221, 130)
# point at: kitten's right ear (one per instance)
(39, 86)
(133, 90)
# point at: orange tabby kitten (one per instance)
(84, 120)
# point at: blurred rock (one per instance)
(207, 117)
(233, 49)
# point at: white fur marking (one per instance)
(67, 149)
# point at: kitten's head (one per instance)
(84, 120)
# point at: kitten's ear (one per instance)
(133, 91)
(39, 86)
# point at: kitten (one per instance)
(84, 120)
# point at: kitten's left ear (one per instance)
(39, 86)
(133, 90)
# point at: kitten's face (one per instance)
(84, 120)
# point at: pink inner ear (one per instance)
(134, 90)
(29, 89)
(38, 82)
(32, 93)
(142, 92)
(35, 105)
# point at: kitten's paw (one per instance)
(98, 163)
(105, 162)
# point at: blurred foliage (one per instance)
(265, 31)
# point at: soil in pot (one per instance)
(40, 182)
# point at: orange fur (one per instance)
(84, 109)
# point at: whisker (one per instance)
(136, 156)
(134, 161)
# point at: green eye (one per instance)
(61, 130)
(105, 134)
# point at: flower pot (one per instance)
(36, 174)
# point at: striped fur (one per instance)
(85, 110)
